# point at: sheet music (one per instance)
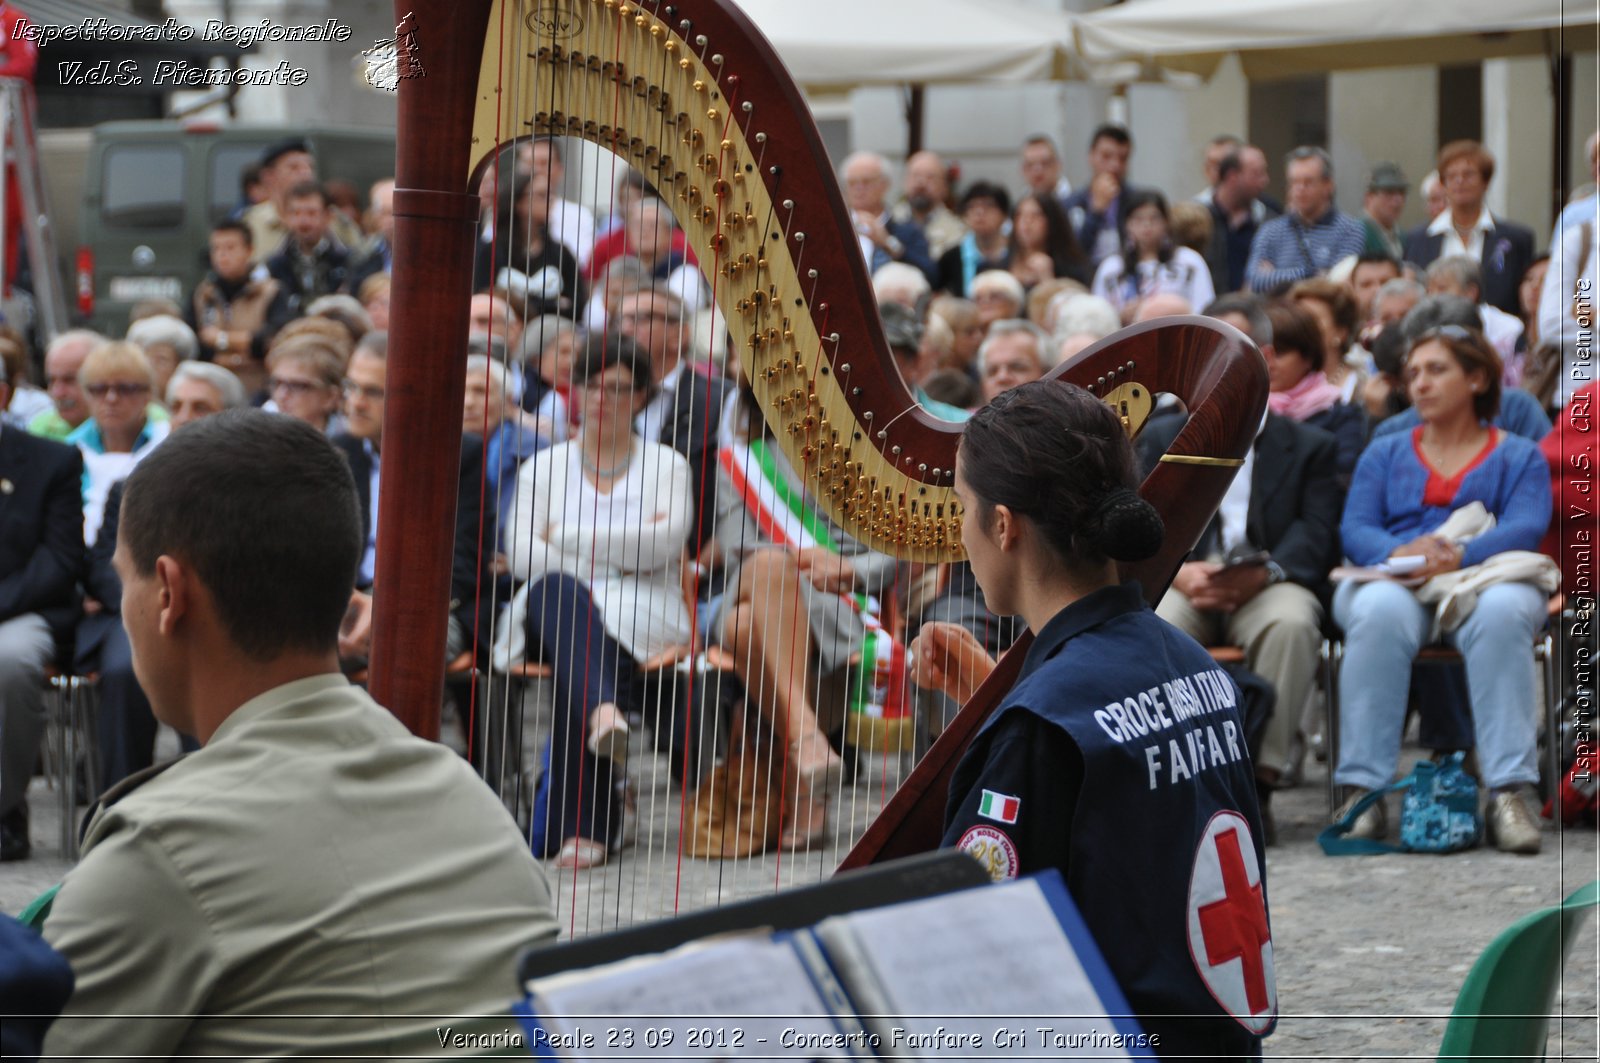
(733, 998)
(996, 952)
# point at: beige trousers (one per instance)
(1280, 631)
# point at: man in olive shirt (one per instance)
(313, 859)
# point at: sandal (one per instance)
(806, 826)
(814, 765)
(580, 853)
(608, 733)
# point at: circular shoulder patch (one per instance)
(1229, 937)
(994, 849)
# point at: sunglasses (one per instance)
(116, 389)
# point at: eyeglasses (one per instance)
(116, 389)
(300, 387)
(366, 391)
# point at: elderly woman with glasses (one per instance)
(118, 381)
(599, 528)
(167, 342)
(1406, 486)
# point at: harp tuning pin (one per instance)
(788, 204)
(883, 433)
(1102, 381)
(867, 417)
(800, 238)
(892, 450)
(923, 467)
(812, 274)
(936, 472)
(854, 392)
(717, 60)
(700, 40)
(761, 138)
(746, 106)
(833, 337)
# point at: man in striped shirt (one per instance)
(1312, 236)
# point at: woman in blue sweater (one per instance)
(1405, 486)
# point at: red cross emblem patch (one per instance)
(1228, 933)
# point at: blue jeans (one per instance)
(565, 631)
(1385, 625)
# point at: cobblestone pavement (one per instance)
(1370, 951)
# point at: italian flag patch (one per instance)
(1002, 808)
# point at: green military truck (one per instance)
(152, 190)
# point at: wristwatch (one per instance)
(1275, 573)
(894, 246)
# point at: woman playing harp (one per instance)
(1118, 755)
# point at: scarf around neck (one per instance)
(1306, 399)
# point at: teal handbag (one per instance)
(1439, 813)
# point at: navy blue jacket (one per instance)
(41, 529)
(1119, 758)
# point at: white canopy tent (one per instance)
(1282, 38)
(834, 45)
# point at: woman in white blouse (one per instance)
(598, 526)
(1150, 264)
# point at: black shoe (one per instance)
(1269, 823)
(14, 841)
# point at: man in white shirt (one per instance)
(570, 223)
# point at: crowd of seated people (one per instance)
(599, 417)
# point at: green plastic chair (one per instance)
(1503, 1012)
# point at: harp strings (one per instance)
(655, 876)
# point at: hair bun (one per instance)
(1125, 527)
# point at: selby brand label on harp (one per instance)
(553, 21)
(1204, 745)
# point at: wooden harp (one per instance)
(691, 94)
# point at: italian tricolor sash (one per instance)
(880, 712)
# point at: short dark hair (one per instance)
(1229, 164)
(230, 225)
(1110, 131)
(1378, 258)
(307, 189)
(1250, 307)
(994, 193)
(263, 509)
(249, 177)
(1295, 330)
(1309, 151)
(616, 349)
(1041, 138)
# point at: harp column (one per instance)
(434, 230)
